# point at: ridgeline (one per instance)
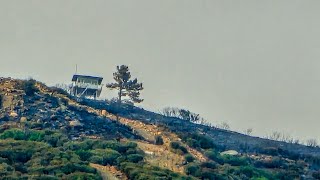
(47, 134)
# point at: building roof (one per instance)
(76, 76)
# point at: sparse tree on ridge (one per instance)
(182, 114)
(312, 143)
(125, 86)
(248, 131)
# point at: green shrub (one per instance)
(82, 176)
(174, 145)
(135, 158)
(56, 139)
(36, 135)
(83, 154)
(158, 140)
(235, 160)
(215, 156)
(192, 169)
(209, 164)
(207, 174)
(274, 163)
(197, 140)
(96, 160)
(16, 134)
(145, 171)
(104, 156)
(189, 158)
(29, 87)
(193, 143)
(248, 171)
(178, 148)
(287, 175)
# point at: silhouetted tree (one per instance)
(224, 126)
(125, 85)
(248, 131)
(182, 114)
(158, 140)
(29, 86)
(312, 143)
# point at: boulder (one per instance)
(75, 123)
(230, 153)
(23, 119)
(104, 113)
(13, 114)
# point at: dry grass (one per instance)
(160, 155)
(109, 172)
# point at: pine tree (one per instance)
(125, 85)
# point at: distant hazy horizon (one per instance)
(252, 64)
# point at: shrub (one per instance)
(15, 134)
(178, 148)
(104, 156)
(29, 87)
(215, 156)
(209, 164)
(174, 145)
(193, 143)
(189, 158)
(145, 171)
(96, 160)
(36, 135)
(158, 140)
(197, 140)
(248, 171)
(135, 158)
(60, 89)
(235, 160)
(274, 163)
(206, 174)
(192, 169)
(288, 175)
(83, 154)
(56, 139)
(81, 175)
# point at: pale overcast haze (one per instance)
(253, 64)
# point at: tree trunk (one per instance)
(120, 95)
(119, 103)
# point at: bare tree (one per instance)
(224, 126)
(170, 112)
(248, 131)
(182, 114)
(312, 143)
(296, 141)
(275, 136)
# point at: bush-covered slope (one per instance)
(45, 133)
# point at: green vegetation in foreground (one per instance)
(43, 154)
(241, 166)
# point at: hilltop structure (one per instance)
(86, 86)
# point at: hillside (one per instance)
(45, 133)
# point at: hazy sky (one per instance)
(253, 64)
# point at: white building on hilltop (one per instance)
(86, 86)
